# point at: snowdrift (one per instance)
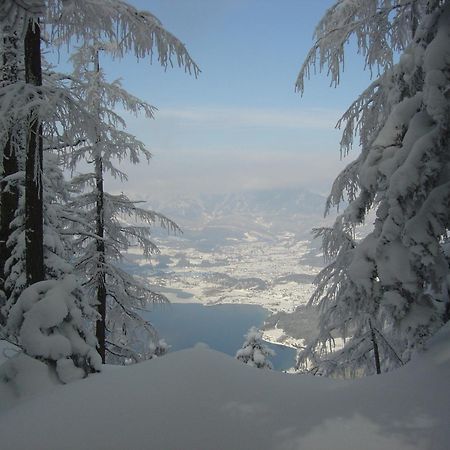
(199, 399)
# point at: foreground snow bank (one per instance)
(199, 399)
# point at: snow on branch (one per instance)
(379, 26)
(129, 29)
(63, 116)
(395, 276)
(48, 318)
(15, 14)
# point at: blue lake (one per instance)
(221, 327)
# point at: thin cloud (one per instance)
(317, 119)
(192, 172)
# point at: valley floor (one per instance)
(276, 274)
(252, 272)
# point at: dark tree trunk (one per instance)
(101, 282)
(100, 219)
(376, 353)
(34, 232)
(9, 196)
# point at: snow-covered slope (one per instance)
(199, 399)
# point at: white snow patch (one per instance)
(201, 399)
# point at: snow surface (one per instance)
(199, 399)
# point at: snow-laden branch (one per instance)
(380, 28)
(395, 276)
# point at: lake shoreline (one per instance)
(221, 326)
(276, 336)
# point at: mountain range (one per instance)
(267, 212)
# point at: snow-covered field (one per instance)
(199, 399)
(269, 274)
(246, 272)
(252, 247)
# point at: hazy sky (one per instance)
(239, 124)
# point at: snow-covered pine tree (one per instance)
(129, 29)
(254, 352)
(51, 107)
(49, 318)
(33, 109)
(114, 221)
(34, 151)
(57, 239)
(16, 37)
(62, 118)
(57, 306)
(126, 30)
(9, 49)
(389, 289)
(49, 321)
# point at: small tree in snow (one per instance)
(49, 320)
(254, 352)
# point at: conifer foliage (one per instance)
(60, 242)
(48, 321)
(254, 352)
(99, 251)
(388, 291)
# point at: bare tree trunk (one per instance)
(101, 281)
(9, 196)
(376, 353)
(34, 230)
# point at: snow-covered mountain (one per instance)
(252, 247)
(266, 211)
(262, 202)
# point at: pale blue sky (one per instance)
(239, 125)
